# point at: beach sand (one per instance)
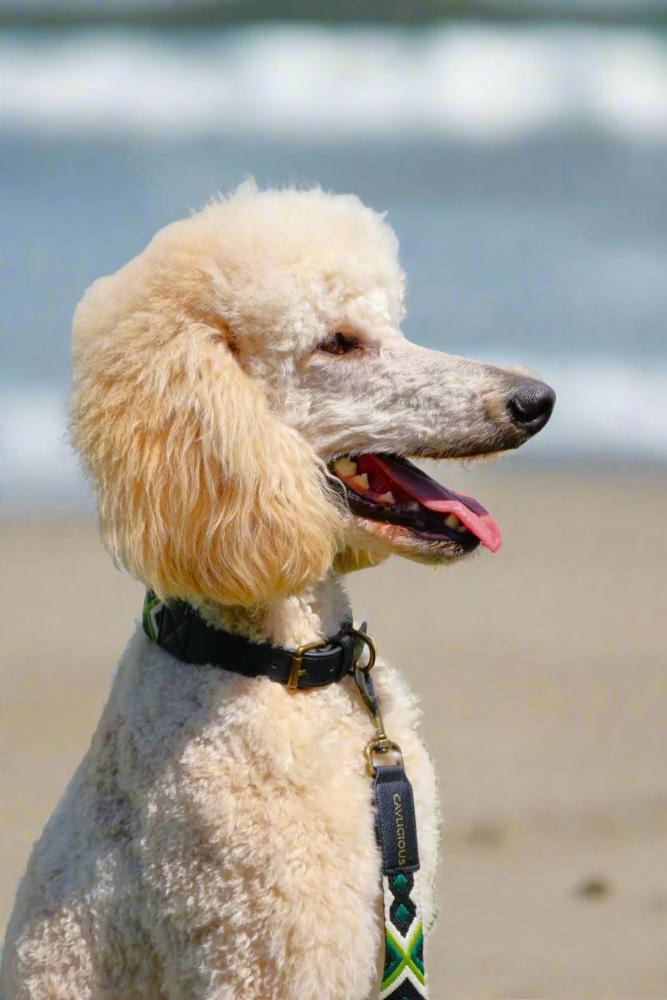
(543, 677)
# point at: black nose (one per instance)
(531, 404)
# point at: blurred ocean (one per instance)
(524, 169)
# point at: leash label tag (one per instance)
(396, 823)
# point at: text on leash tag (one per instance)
(396, 824)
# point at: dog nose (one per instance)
(531, 404)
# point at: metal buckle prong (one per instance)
(297, 669)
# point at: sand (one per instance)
(544, 684)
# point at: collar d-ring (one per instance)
(369, 643)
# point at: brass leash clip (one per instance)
(380, 743)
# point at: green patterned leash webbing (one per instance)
(403, 976)
(152, 605)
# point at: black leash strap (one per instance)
(403, 976)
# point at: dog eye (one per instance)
(338, 343)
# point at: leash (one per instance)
(178, 628)
(403, 976)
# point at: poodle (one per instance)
(246, 406)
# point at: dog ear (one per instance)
(202, 492)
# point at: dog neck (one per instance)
(313, 614)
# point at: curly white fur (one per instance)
(217, 840)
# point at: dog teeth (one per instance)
(452, 521)
(361, 482)
(387, 497)
(345, 467)
(413, 505)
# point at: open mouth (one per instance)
(392, 490)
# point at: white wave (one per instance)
(605, 411)
(475, 82)
(39, 468)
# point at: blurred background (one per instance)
(520, 149)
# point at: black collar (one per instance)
(179, 629)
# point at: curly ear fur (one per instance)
(202, 492)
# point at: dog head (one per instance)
(245, 402)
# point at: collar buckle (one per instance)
(297, 669)
(361, 640)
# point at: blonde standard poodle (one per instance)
(245, 405)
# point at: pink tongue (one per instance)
(435, 497)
